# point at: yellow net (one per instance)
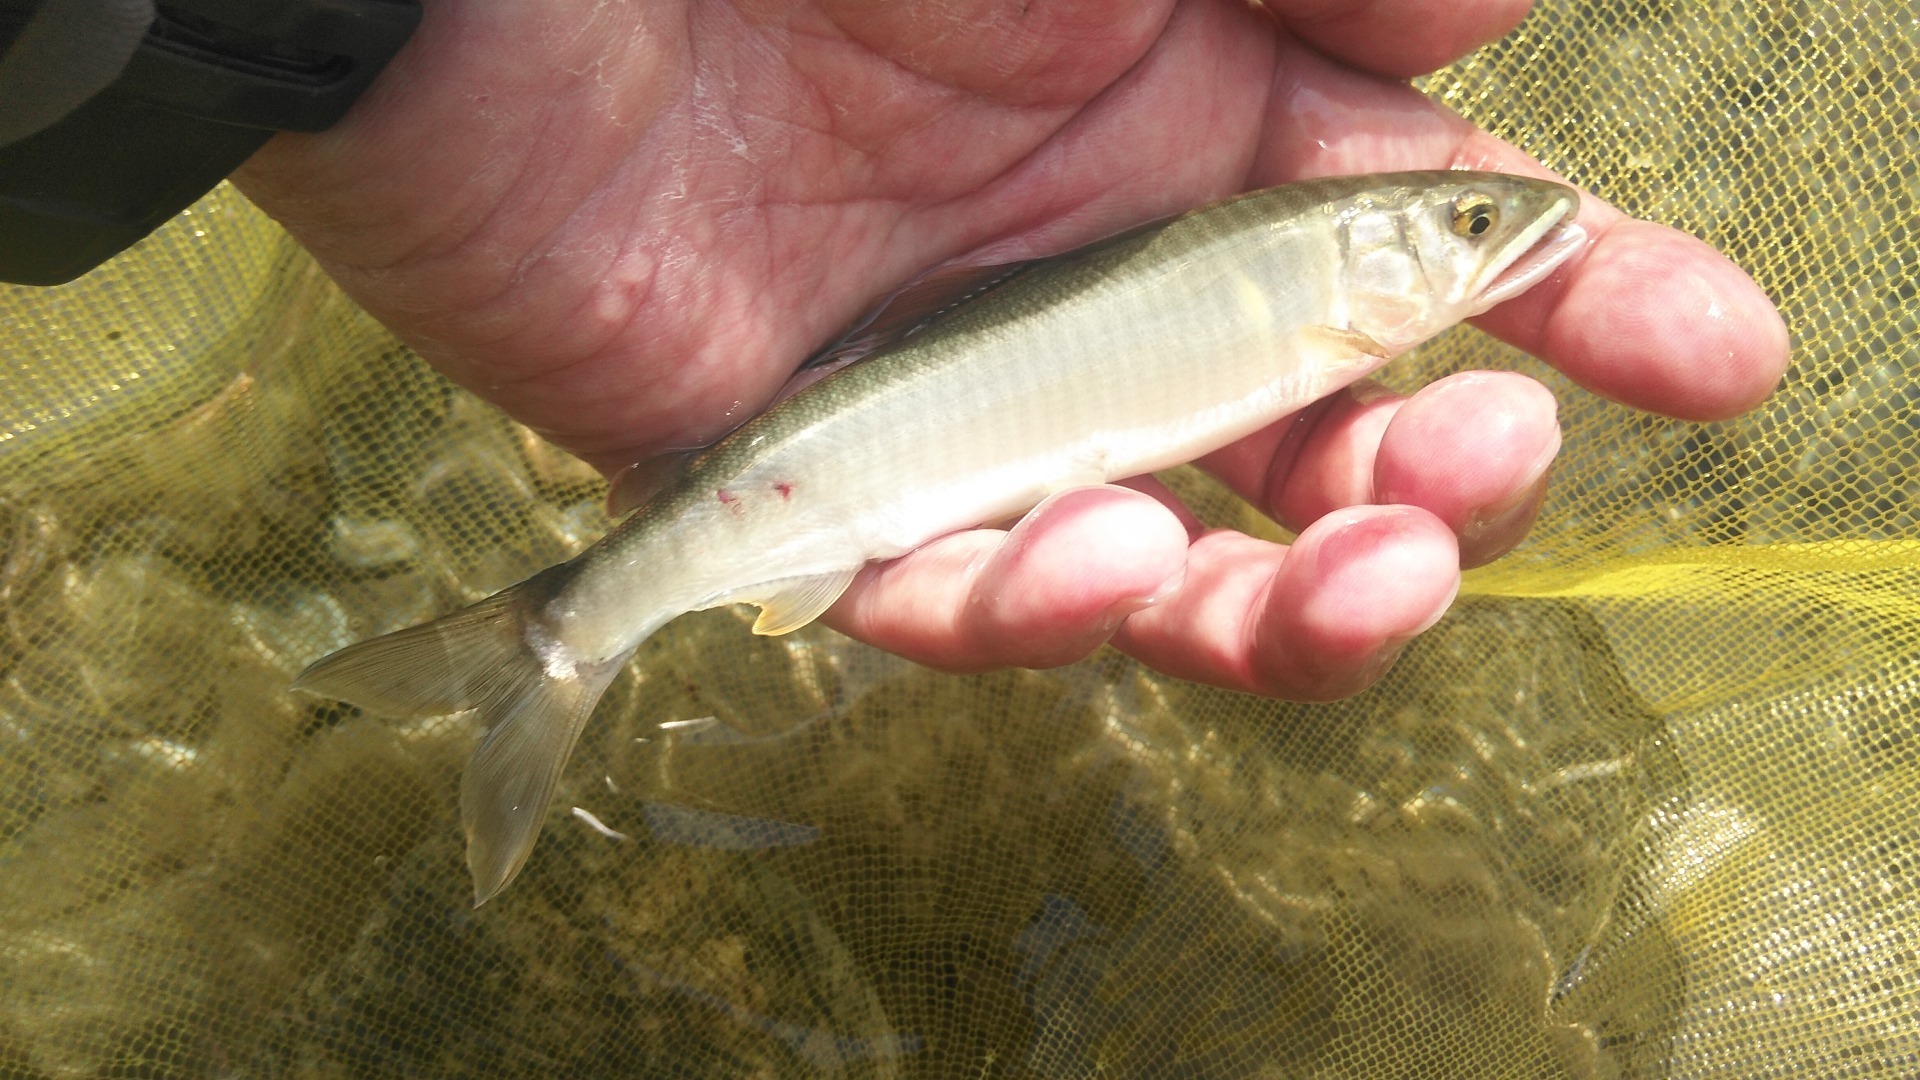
(1643, 805)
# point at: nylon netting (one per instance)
(1643, 805)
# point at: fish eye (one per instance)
(1473, 215)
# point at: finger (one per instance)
(1321, 619)
(1372, 34)
(1330, 465)
(1046, 593)
(1151, 486)
(1646, 315)
(1317, 460)
(1474, 450)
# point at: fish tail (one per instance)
(534, 694)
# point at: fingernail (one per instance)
(1505, 520)
(1508, 519)
(1166, 588)
(1376, 668)
(1439, 613)
(1127, 605)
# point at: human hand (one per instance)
(625, 224)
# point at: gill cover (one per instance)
(1443, 247)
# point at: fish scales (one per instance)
(1119, 358)
(1126, 362)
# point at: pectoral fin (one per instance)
(792, 603)
(1346, 343)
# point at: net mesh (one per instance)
(1640, 806)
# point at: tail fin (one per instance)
(534, 695)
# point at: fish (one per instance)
(967, 397)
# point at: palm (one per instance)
(679, 223)
(625, 224)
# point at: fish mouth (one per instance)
(1529, 257)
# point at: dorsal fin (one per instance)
(903, 312)
(906, 310)
(810, 374)
(641, 480)
(912, 306)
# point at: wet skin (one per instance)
(625, 224)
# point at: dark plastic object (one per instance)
(212, 81)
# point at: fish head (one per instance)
(1432, 249)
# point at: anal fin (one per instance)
(791, 603)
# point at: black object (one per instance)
(210, 81)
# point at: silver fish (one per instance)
(1131, 354)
